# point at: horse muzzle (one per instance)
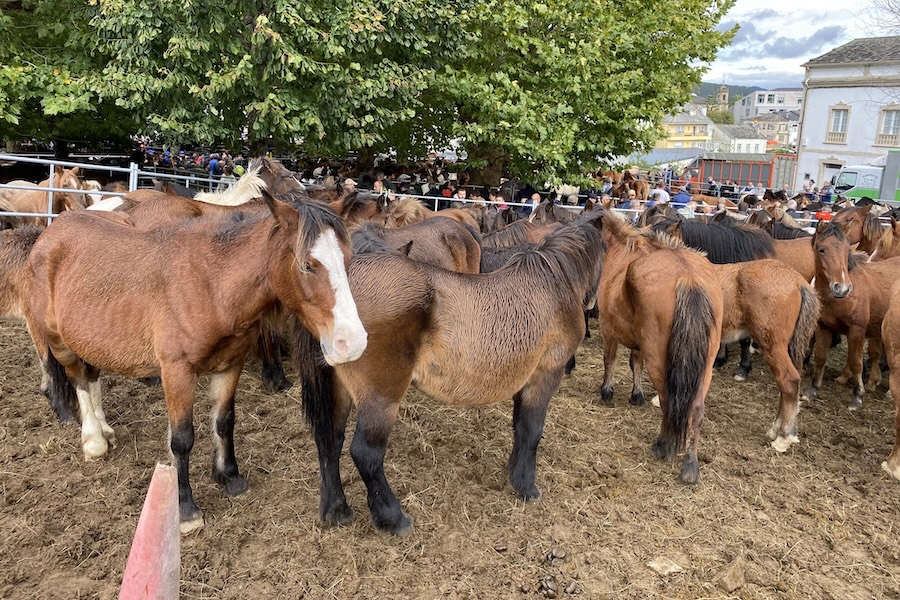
(841, 290)
(346, 345)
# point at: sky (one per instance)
(777, 36)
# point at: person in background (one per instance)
(826, 193)
(681, 199)
(662, 196)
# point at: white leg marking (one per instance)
(893, 470)
(349, 338)
(655, 401)
(93, 443)
(97, 402)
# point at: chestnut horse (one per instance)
(178, 302)
(468, 340)
(863, 226)
(855, 296)
(35, 201)
(663, 300)
(890, 335)
(889, 244)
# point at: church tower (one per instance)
(722, 98)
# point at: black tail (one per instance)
(688, 350)
(317, 386)
(59, 390)
(807, 321)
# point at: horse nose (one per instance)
(840, 290)
(341, 347)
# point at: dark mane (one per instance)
(570, 257)
(494, 258)
(514, 234)
(314, 218)
(780, 231)
(368, 238)
(725, 244)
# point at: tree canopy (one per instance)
(540, 89)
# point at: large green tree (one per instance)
(540, 89)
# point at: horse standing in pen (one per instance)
(468, 340)
(181, 301)
(36, 200)
(664, 301)
(855, 296)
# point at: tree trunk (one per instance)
(60, 149)
(494, 159)
(365, 160)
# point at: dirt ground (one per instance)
(816, 522)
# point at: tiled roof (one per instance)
(684, 117)
(864, 50)
(781, 115)
(739, 131)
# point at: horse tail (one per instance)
(317, 386)
(688, 351)
(807, 321)
(59, 389)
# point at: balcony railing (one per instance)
(836, 137)
(887, 139)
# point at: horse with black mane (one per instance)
(463, 339)
(179, 301)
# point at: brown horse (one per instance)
(35, 201)
(863, 227)
(770, 302)
(548, 212)
(182, 301)
(463, 339)
(889, 244)
(407, 211)
(441, 242)
(664, 301)
(855, 296)
(890, 335)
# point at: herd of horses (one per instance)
(471, 305)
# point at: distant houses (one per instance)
(851, 107)
(763, 102)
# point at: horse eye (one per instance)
(821, 250)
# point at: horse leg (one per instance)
(746, 364)
(333, 507)
(374, 421)
(874, 364)
(55, 385)
(636, 361)
(93, 442)
(721, 357)
(783, 432)
(570, 365)
(225, 471)
(856, 339)
(529, 413)
(823, 345)
(610, 346)
(892, 464)
(93, 375)
(178, 385)
(269, 346)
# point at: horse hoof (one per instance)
(236, 486)
(782, 444)
(855, 404)
(151, 381)
(809, 395)
(740, 377)
(191, 523)
(277, 386)
(690, 471)
(894, 472)
(338, 516)
(401, 528)
(655, 401)
(637, 399)
(661, 450)
(94, 448)
(718, 363)
(606, 394)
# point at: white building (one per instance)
(767, 101)
(851, 107)
(740, 139)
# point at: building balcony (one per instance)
(887, 139)
(836, 137)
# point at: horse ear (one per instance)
(674, 229)
(75, 170)
(270, 203)
(845, 227)
(405, 250)
(821, 225)
(894, 225)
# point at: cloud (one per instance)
(799, 47)
(764, 13)
(753, 76)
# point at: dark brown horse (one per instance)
(518, 233)
(664, 301)
(548, 212)
(855, 296)
(441, 242)
(182, 301)
(463, 339)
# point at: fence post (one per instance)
(50, 186)
(132, 177)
